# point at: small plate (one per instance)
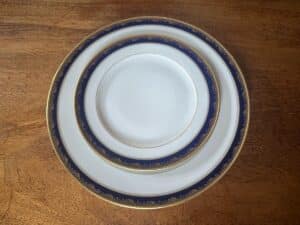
(147, 102)
(163, 188)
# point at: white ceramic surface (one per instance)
(146, 100)
(166, 101)
(165, 182)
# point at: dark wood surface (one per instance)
(263, 187)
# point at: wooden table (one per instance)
(263, 187)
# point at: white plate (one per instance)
(143, 100)
(159, 189)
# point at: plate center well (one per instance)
(146, 100)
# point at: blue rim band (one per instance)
(136, 201)
(139, 163)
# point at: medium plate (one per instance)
(146, 93)
(168, 187)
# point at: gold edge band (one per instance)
(215, 179)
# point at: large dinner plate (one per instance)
(165, 188)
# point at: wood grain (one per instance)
(263, 187)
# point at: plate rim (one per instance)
(193, 192)
(152, 165)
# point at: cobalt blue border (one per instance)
(154, 163)
(169, 199)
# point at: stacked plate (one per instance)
(148, 112)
